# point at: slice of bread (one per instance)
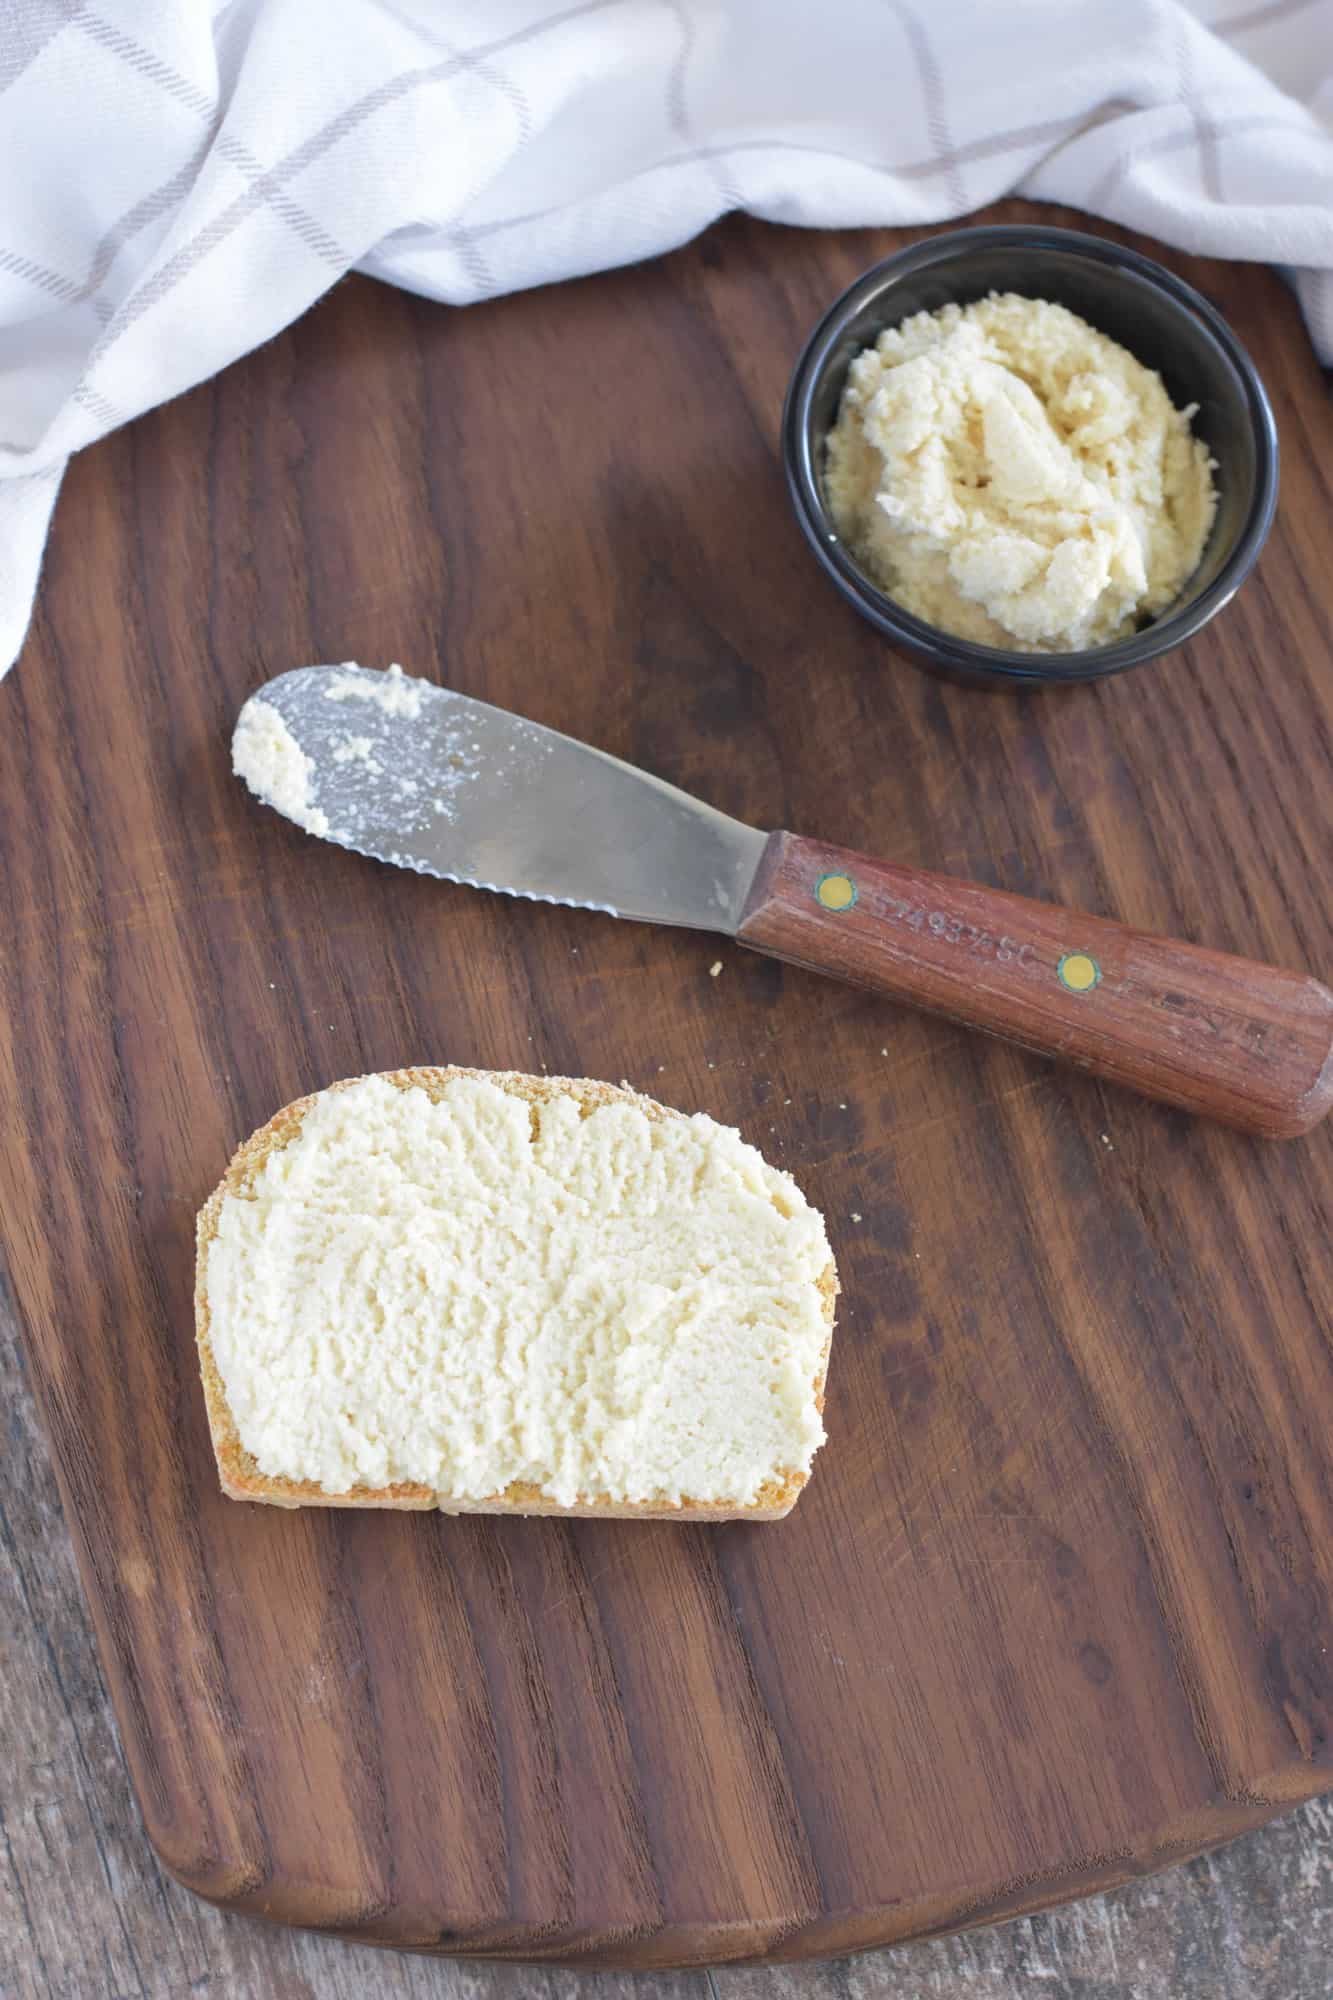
(268, 1358)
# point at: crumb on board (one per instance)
(856, 1217)
(715, 968)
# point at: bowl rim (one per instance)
(995, 662)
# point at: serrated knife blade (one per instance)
(425, 778)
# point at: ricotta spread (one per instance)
(488, 1289)
(1012, 476)
(275, 767)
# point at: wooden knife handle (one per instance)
(1248, 1044)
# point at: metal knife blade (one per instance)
(424, 778)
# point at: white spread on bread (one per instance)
(483, 1289)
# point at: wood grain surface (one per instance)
(1055, 1608)
(87, 1913)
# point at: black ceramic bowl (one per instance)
(1162, 321)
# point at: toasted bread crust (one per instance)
(239, 1473)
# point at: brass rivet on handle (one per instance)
(1079, 971)
(835, 892)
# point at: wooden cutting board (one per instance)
(1056, 1606)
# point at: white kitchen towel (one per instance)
(178, 181)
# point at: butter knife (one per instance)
(424, 778)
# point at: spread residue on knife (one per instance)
(359, 747)
(400, 768)
(395, 692)
(284, 774)
(275, 767)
